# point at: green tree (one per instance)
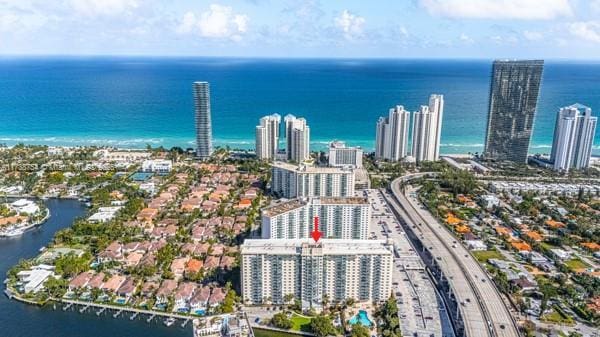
(322, 326)
(390, 323)
(56, 287)
(70, 264)
(55, 178)
(230, 299)
(359, 330)
(280, 320)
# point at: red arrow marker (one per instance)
(316, 234)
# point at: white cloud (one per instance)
(499, 9)
(586, 30)
(403, 31)
(219, 22)
(466, 38)
(103, 7)
(504, 40)
(595, 6)
(533, 35)
(21, 18)
(188, 23)
(350, 24)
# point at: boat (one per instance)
(13, 231)
(169, 321)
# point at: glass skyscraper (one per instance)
(203, 122)
(513, 99)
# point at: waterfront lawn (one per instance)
(300, 323)
(258, 332)
(484, 255)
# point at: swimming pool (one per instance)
(361, 318)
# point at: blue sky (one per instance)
(547, 29)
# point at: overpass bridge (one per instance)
(474, 302)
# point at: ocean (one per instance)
(135, 101)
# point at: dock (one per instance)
(119, 309)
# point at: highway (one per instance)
(481, 306)
(420, 308)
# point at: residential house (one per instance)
(178, 267)
(166, 290)
(113, 283)
(96, 282)
(199, 302)
(216, 297)
(80, 281)
(182, 295)
(127, 289)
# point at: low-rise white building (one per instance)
(543, 188)
(24, 206)
(33, 280)
(113, 155)
(12, 190)
(309, 271)
(490, 201)
(104, 214)
(148, 187)
(561, 254)
(157, 166)
(476, 245)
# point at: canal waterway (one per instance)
(19, 319)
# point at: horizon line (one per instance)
(264, 57)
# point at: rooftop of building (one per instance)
(283, 207)
(327, 246)
(288, 205)
(309, 168)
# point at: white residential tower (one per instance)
(573, 138)
(426, 130)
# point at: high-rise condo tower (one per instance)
(427, 128)
(513, 100)
(203, 120)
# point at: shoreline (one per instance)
(27, 227)
(241, 144)
(245, 145)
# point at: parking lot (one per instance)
(421, 310)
